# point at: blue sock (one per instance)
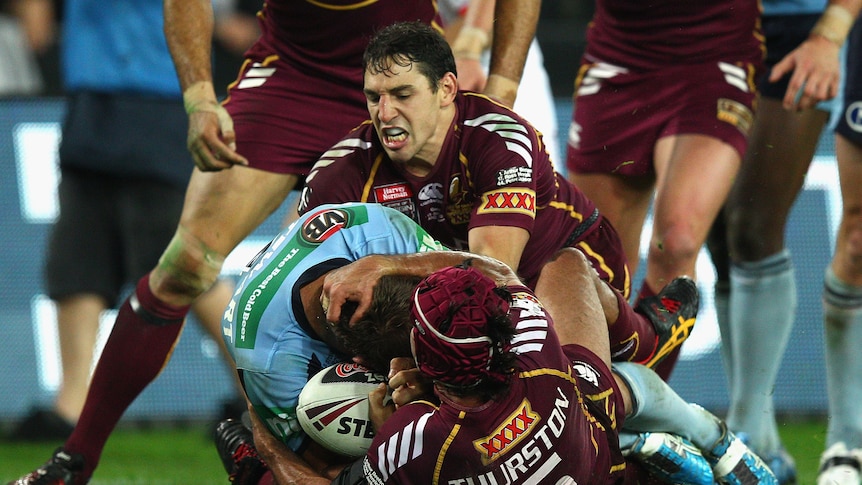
(627, 439)
(842, 305)
(762, 310)
(657, 407)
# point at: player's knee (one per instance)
(568, 261)
(752, 237)
(676, 245)
(850, 235)
(188, 267)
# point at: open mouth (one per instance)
(394, 137)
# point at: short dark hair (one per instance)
(383, 332)
(406, 43)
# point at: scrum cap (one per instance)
(451, 312)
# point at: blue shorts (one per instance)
(783, 34)
(849, 119)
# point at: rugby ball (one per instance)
(333, 408)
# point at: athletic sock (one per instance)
(267, 479)
(721, 301)
(139, 346)
(632, 335)
(842, 304)
(657, 407)
(762, 310)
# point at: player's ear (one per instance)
(447, 88)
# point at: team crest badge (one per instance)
(319, 226)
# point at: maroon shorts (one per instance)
(618, 115)
(604, 250)
(603, 401)
(286, 117)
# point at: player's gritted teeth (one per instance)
(394, 138)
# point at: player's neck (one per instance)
(462, 403)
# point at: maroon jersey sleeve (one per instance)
(339, 175)
(514, 183)
(506, 160)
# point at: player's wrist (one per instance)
(834, 24)
(502, 88)
(470, 43)
(200, 96)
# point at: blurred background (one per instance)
(196, 382)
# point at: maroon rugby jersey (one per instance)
(649, 35)
(546, 428)
(493, 170)
(329, 36)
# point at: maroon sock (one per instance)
(645, 292)
(267, 479)
(665, 368)
(632, 335)
(134, 355)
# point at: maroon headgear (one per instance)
(451, 311)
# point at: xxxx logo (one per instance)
(514, 429)
(509, 200)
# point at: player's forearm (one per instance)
(852, 6)
(474, 35)
(514, 28)
(295, 472)
(189, 31)
(287, 467)
(423, 264)
(37, 17)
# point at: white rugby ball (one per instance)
(333, 408)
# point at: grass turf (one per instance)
(160, 455)
(186, 455)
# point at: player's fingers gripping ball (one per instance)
(452, 310)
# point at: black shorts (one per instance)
(110, 232)
(783, 33)
(849, 122)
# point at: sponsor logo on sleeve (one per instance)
(514, 200)
(513, 175)
(319, 226)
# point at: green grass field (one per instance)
(186, 455)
